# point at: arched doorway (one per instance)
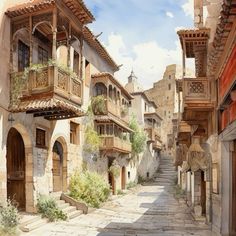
(16, 168)
(123, 178)
(59, 170)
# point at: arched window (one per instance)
(110, 91)
(100, 89)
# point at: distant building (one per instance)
(148, 118)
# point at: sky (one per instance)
(141, 35)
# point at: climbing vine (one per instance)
(92, 139)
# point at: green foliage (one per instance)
(48, 208)
(114, 169)
(92, 140)
(138, 137)
(141, 179)
(98, 104)
(131, 185)
(9, 219)
(120, 192)
(89, 187)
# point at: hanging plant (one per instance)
(98, 104)
(114, 169)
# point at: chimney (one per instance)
(198, 13)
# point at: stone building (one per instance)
(42, 108)
(149, 119)
(165, 96)
(208, 119)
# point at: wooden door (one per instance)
(203, 194)
(16, 168)
(233, 213)
(57, 169)
(123, 178)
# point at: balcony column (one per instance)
(183, 61)
(54, 33)
(30, 39)
(69, 53)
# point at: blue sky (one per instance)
(141, 34)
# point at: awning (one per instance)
(50, 108)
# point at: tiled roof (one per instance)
(93, 42)
(76, 6)
(115, 81)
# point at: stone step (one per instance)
(33, 225)
(63, 205)
(28, 219)
(69, 209)
(73, 214)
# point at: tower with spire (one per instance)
(133, 86)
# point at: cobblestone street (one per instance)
(147, 210)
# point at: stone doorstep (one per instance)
(30, 222)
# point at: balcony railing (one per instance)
(45, 82)
(115, 143)
(152, 134)
(114, 109)
(196, 90)
(48, 91)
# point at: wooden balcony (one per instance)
(113, 143)
(113, 109)
(157, 145)
(152, 134)
(49, 91)
(196, 97)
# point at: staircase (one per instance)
(166, 175)
(29, 222)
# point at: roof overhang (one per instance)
(76, 7)
(50, 109)
(193, 39)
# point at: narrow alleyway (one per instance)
(149, 210)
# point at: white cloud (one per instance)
(149, 59)
(169, 14)
(188, 8)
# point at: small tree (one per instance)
(138, 137)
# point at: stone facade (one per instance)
(165, 95)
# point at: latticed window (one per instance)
(23, 56)
(42, 55)
(40, 137)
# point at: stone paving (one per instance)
(146, 211)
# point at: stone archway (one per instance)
(24, 172)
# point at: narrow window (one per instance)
(40, 138)
(169, 76)
(23, 56)
(169, 86)
(74, 133)
(76, 63)
(128, 174)
(42, 55)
